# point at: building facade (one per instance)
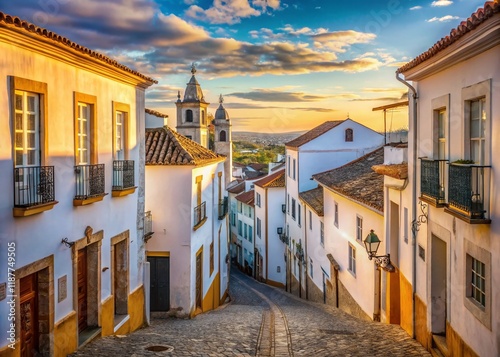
(72, 222)
(245, 232)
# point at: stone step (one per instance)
(439, 344)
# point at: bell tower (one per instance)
(192, 119)
(222, 139)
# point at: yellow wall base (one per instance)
(209, 301)
(406, 304)
(393, 298)
(421, 333)
(136, 309)
(11, 352)
(65, 335)
(275, 283)
(456, 345)
(107, 316)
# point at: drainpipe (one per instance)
(413, 197)
(305, 249)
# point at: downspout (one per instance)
(305, 248)
(413, 198)
(267, 235)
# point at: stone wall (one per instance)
(313, 292)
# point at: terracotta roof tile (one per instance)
(357, 180)
(247, 197)
(398, 171)
(167, 147)
(489, 9)
(155, 113)
(313, 133)
(237, 188)
(14, 22)
(278, 167)
(314, 199)
(257, 166)
(276, 179)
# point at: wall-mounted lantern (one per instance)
(372, 242)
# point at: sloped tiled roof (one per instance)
(167, 147)
(357, 180)
(237, 188)
(257, 167)
(489, 9)
(14, 22)
(156, 113)
(313, 133)
(276, 179)
(397, 171)
(251, 175)
(247, 197)
(278, 167)
(314, 199)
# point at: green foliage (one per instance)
(246, 152)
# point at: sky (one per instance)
(281, 65)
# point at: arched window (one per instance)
(349, 134)
(222, 135)
(189, 116)
(203, 117)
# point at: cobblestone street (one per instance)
(264, 321)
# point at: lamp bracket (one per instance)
(67, 243)
(415, 226)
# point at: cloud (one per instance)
(338, 40)
(443, 19)
(231, 11)
(270, 95)
(254, 106)
(415, 8)
(440, 3)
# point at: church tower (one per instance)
(222, 139)
(192, 119)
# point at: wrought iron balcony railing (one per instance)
(469, 190)
(148, 225)
(283, 208)
(432, 179)
(200, 214)
(123, 174)
(284, 238)
(33, 186)
(89, 181)
(223, 206)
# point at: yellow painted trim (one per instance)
(202, 222)
(107, 316)
(275, 283)
(124, 108)
(6, 351)
(125, 192)
(157, 254)
(136, 309)
(199, 178)
(88, 201)
(65, 335)
(29, 211)
(91, 100)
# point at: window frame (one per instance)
(322, 234)
(349, 135)
(259, 227)
(352, 259)
(336, 214)
(91, 101)
(40, 88)
(294, 213)
(359, 229)
(125, 109)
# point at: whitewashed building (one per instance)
(72, 206)
(188, 254)
(330, 145)
(455, 125)
(269, 223)
(245, 239)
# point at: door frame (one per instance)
(158, 255)
(198, 304)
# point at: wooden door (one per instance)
(29, 316)
(199, 281)
(160, 283)
(82, 289)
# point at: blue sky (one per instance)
(281, 65)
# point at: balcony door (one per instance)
(83, 148)
(27, 146)
(119, 153)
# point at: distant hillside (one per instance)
(266, 138)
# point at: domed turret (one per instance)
(221, 112)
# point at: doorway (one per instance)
(82, 282)
(393, 280)
(29, 316)
(160, 283)
(438, 286)
(199, 280)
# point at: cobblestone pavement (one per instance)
(264, 321)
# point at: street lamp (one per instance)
(372, 242)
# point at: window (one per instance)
(249, 211)
(245, 231)
(199, 180)
(477, 130)
(222, 136)
(478, 282)
(85, 125)
(299, 210)
(212, 258)
(405, 224)
(189, 137)
(288, 160)
(336, 214)
(322, 233)
(240, 228)
(294, 167)
(352, 259)
(311, 270)
(310, 220)
(250, 233)
(294, 265)
(293, 208)
(203, 117)
(120, 130)
(349, 135)
(189, 116)
(441, 121)
(288, 204)
(234, 219)
(359, 229)
(240, 207)
(257, 198)
(27, 129)
(259, 227)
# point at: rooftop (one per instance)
(314, 199)
(489, 9)
(155, 113)
(397, 171)
(313, 133)
(167, 147)
(238, 187)
(276, 179)
(15, 23)
(357, 180)
(246, 197)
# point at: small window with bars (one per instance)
(478, 282)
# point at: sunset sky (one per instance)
(281, 65)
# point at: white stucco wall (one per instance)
(314, 249)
